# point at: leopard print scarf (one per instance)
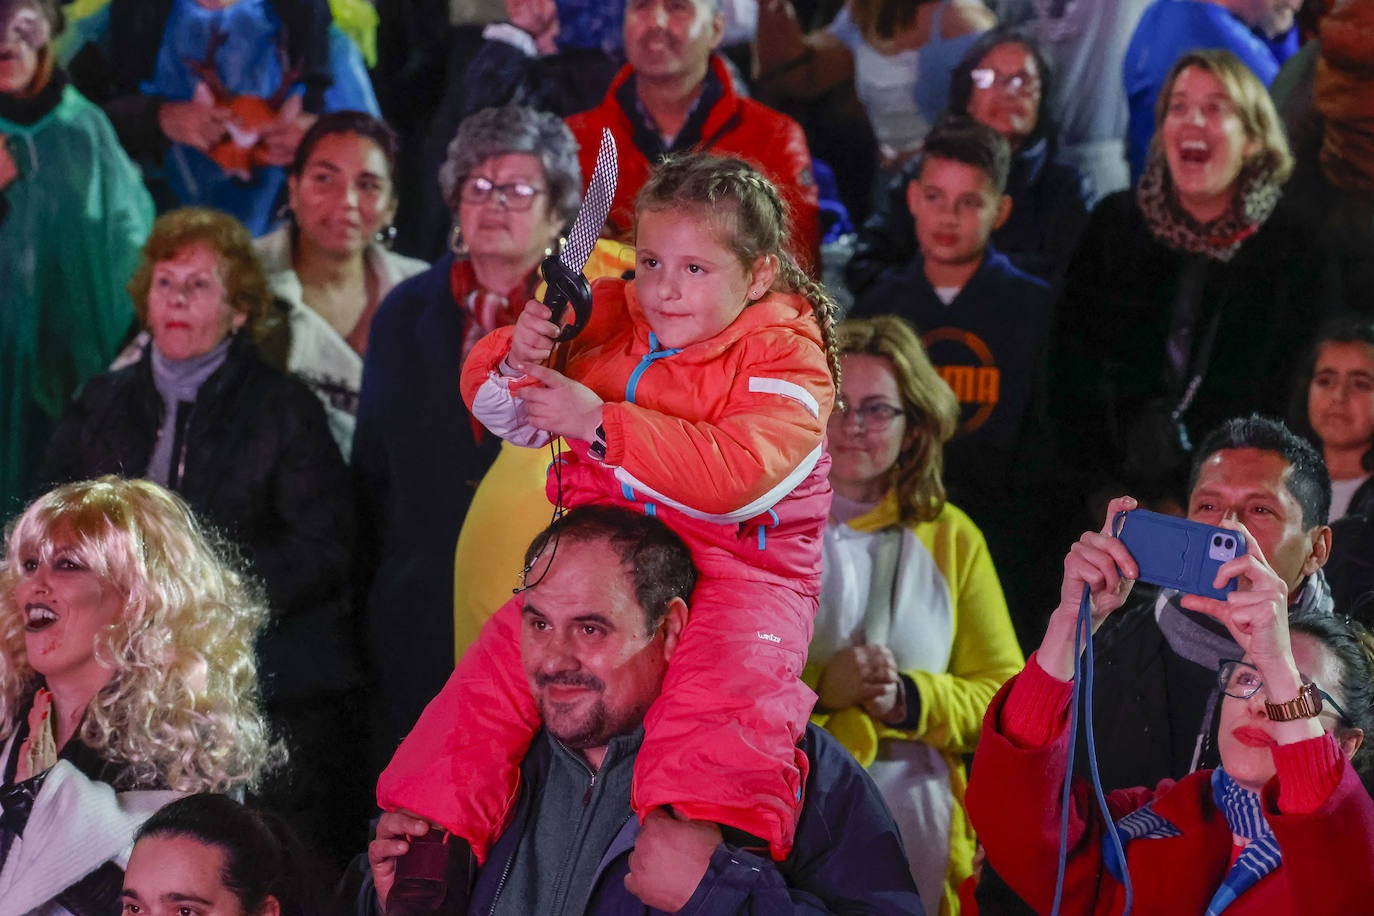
(1256, 195)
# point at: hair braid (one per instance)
(823, 306)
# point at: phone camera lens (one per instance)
(1216, 540)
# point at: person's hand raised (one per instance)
(1101, 562)
(532, 338)
(1256, 613)
(560, 405)
(537, 18)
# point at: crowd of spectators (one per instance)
(247, 246)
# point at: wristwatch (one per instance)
(1306, 705)
(598, 447)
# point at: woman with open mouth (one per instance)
(127, 678)
(1188, 300)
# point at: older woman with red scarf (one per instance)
(513, 182)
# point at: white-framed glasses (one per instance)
(1018, 83)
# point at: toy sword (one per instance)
(563, 271)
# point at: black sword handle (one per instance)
(567, 287)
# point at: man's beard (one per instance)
(597, 726)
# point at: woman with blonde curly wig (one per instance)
(912, 636)
(127, 677)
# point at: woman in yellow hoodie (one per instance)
(913, 637)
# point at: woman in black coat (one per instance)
(249, 449)
(1188, 301)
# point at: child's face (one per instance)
(24, 32)
(691, 286)
(956, 208)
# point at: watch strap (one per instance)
(598, 447)
(1306, 705)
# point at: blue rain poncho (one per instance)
(69, 241)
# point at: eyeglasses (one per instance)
(876, 416)
(1018, 83)
(1241, 680)
(517, 195)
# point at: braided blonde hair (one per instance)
(754, 220)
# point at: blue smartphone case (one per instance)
(1174, 552)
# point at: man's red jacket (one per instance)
(735, 126)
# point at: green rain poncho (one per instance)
(69, 241)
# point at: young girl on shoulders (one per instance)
(699, 392)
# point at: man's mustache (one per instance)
(569, 679)
(661, 34)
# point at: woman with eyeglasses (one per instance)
(912, 637)
(512, 182)
(1003, 81)
(1283, 826)
(897, 53)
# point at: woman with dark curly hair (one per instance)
(1282, 826)
(249, 448)
(127, 676)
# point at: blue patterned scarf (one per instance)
(1243, 814)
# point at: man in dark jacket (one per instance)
(1154, 687)
(604, 609)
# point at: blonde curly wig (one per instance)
(181, 710)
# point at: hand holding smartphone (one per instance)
(1177, 553)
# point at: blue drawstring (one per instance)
(763, 530)
(1083, 686)
(645, 362)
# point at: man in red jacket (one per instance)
(675, 94)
